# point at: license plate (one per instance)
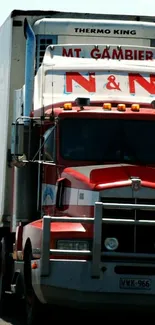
(137, 284)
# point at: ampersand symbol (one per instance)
(112, 84)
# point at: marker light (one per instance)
(34, 266)
(67, 106)
(107, 106)
(111, 244)
(121, 107)
(135, 107)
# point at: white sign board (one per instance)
(61, 80)
(103, 51)
(98, 84)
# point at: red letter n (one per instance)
(147, 85)
(88, 84)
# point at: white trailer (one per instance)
(24, 37)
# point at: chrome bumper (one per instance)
(91, 282)
(70, 283)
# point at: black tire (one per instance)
(34, 312)
(34, 309)
(1, 280)
(5, 277)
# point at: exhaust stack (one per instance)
(29, 68)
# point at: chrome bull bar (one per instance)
(98, 220)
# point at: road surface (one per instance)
(14, 316)
(97, 317)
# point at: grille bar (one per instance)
(128, 222)
(139, 235)
(128, 206)
(131, 200)
(104, 220)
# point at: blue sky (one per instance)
(142, 7)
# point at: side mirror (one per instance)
(17, 139)
(60, 192)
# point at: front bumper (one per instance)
(70, 283)
(93, 283)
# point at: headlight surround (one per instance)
(78, 245)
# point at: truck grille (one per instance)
(132, 238)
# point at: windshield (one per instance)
(107, 140)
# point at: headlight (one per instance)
(111, 244)
(78, 245)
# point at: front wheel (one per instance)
(34, 309)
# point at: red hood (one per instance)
(105, 176)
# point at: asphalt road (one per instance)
(97, 317)
(13, 316)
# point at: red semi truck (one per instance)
(77, 169)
